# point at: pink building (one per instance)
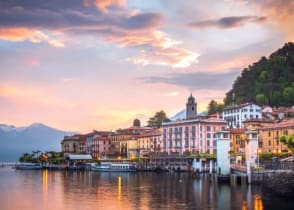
(192, 135)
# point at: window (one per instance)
(269, 142)
(285, 132)
(208, 128)
(269, 133)
(208, 143)
(256, 116)
(208, 135)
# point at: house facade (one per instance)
(237, 114)
(190, 136)
(269, 136)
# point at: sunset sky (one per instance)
(80, 65)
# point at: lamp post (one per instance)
(258, 151)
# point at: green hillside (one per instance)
(269, 81)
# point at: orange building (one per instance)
(269, 136)
(237, 142)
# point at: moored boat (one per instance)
(28, 166)
(113, 167)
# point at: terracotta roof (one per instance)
(149, 134)
(289, 123)
(262, 120)
(240, 106)
(237, 130)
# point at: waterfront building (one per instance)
(269, 136)
(237, 140)
(98, 143)
(75, 144)
(190, 136)
(235, 115)
(149, 143)
(130, 142)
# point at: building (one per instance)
(190, 136)
(257, 123)
(149, 143)
(237, 114)
(191, 108)
(237, 140)
(126, 142)
(75, 144)
(98, 143)
(269, 136)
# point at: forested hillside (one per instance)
(269, 81)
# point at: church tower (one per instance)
(191, 108)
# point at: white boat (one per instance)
(113, 167)
(28, 166)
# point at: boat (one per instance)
(113, 167)
(28, 166)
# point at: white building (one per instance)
(235, 115)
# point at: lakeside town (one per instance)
(193, 135)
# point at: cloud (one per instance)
(174, 57)
(104, 4)
(55, 21)
(195, 81)
(281, 13)
(228, 22)
(24, 34)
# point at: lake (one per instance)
(78, 190)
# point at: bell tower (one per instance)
(191, 108)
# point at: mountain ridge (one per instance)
(37, 136)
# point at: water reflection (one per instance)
(45, 185)
(119, 184)
(36, 190)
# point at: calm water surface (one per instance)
(60, 190)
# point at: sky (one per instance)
(80, 65)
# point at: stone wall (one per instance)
(281, 184)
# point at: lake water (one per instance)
(62, 190)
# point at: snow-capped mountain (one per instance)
(15, 141)
(182, 115)
(179, 116)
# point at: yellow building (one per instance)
(149, 142)
(237, 140)
(125, 141)
(269, 136)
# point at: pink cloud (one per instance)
(25, 34)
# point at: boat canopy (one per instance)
(79, 157)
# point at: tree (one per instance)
(289, 141)
(212, 107)
(158, 119)
(288, 95)
(261, 98)
(276, 98)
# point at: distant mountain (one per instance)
(182, 115)
(269, 81)
(15, 141)
(179, 116)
